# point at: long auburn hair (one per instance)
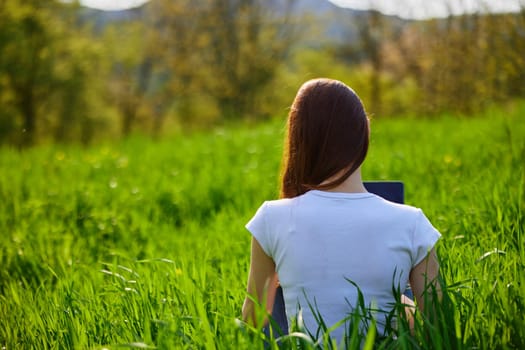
(327, 133)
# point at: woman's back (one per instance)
(327, 230)
(321, 240)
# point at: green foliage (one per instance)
(397, 97)
(72, 75)
(463, 63)
(46, 74)
(142, 244)
(222, 54)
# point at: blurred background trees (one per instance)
(220, 53)
(71, 74)
(463, 63)
(47, 62)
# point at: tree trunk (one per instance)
(27, 107)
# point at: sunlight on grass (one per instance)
(142, 245)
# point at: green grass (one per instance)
(142, 244)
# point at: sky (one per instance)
(421, 9)
(415, 9)
(111, 5)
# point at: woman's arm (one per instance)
(424, 278)
(262, 282)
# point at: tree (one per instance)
(26, 60)
(462, 63)
(248, 43)
(226, 50)
(133, 63)
(43, 67)
(371, 34)
(368, 34)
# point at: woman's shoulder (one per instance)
(279, 203)
(278, 207)
(399, 208)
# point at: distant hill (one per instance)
(324, 20)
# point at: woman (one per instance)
(327, 237)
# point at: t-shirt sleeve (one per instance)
(259, 229)
(424, 239)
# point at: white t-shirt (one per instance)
(320, 240)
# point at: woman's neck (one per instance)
(352, 184)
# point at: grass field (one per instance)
(142, 244)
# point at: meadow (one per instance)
(141, 243)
